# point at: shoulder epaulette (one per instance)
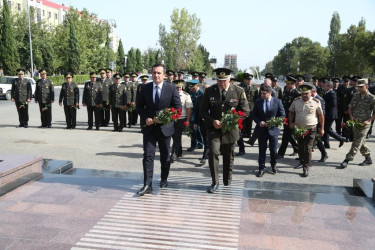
(297, 98)
(316, 99)
(186, 93)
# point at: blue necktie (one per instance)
(157, 97)
(267, 108)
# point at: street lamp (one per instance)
(110, 23)
(30, 41)
(125, 58)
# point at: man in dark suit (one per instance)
(153, 98)
(264, 109)
(330, 99)
(319, 142)
(217, 100)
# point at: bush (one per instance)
(78, 79)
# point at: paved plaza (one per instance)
(94, 206)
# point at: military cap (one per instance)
(92, 74)
(108, 70)
(222, 73)
(324, 79)
(315, 78)
(193, 82)
(306, 88)
(179, 83)
(313, 88)
(195, 74)
(362, 82)
(335, 79)
(233, 79)
(355, 78)
(102, 71)
(144, 77)
(175, 74)
(133, 74)
(42, 71)
(68, 75)
(117, 76)
(268, 75)
(274, 79)
(180, 73)
(170, 72)
(247, 76)
(300, 77)
(346, 78)
(126, 74)
(290, 79)
(202, 74)
(20, 71)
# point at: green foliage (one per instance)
(334, 42)
(120, 58)
(73, 49)
(131, 61)
(8, 51)
(138, 61)
(59, 80)
(239, 76)
(206, 59)
(197, 61)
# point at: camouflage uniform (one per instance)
(363, 107)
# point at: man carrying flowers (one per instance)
(306, 110)
(218, 101)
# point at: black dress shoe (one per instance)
(26, 126)
(203, 161)
(89, 128)
(294, 153)
(163, 183)
(298, 166)
(274, 169)
(49, 126)
(212, 189)
(97, 128)
(200, 147)
(279, 157)
(240, 153)
(327, 146)
(342, 142)
(249, 142)
(191, 149)
(260, 173)
(324, 158)
(367, 161)
(305, 173)
(145, 190)
(344, 164)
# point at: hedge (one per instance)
(59, 80)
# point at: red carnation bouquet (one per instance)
(46, 107)
(129, 107)
(301, 132)
(231, 120)
(276, 122)
(23, 105)
(352, 124)
(186, 129)
(168, 115)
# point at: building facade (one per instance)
(230, 60)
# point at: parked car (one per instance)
(6, 86)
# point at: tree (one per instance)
(206, 58)
(334, 42)
(131, 60)
(73, 50)
(120, 58)
(138, 61)
(197, 62)
(182, 39)
(8, 51)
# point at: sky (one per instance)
(255, 30)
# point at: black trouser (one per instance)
(273, 143)
(91, 111)
(288, 137)
(149, 147)
(305, 145)
(228, 159)
(135, 117)
(177, 136)
(23, 113)
(247, 126)
(70, 115)
(130, 118)
(196, 137)
(338, 121)
(105, 113)
(118, 115)
(240, 143)
(328, 131)
(45, 114)
(205, 140)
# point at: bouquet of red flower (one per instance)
(74, 106)
(276, 122)
(130, 107)
(23, 105)
(231, 120)
(46, 107)
(352, 124)
(168, 115)
(301, 132)
(186, 129)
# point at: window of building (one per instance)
(64, 18)
(55, 16)
(10, 4)
(49, 14)
(19, 7)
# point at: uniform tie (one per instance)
(157, 96)
(267, 108)
(223, 95)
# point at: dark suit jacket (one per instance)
(331, 105)
(276, 109)
(169, 97)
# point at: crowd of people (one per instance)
(308, 111)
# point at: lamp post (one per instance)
(30, 41)
(125, 58)
(110, 23)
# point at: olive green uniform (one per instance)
(118, 100)
(45, 96)
(21, 92)
(69, 96)
(105, 111)
(212, 108)
(93, 98)
(134, 86)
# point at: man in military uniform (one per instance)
(300, 79)
(180, 75)
(319, 142)
(170, 75)
(217, 100)
(362, 108)
(341, 95)
(277, 88)
(134, 86)
(350, 92)
(69, 96)
(109, 75)
(196, 136)
(92, 99)
(201, 78)
(129, 94)
(105, 83)
(118, 101)
(251, 92)
(306, 110)
(290, 94)
(315, 81)
(21, 95)
(45, 96)
(186, 109)
(320, 89)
